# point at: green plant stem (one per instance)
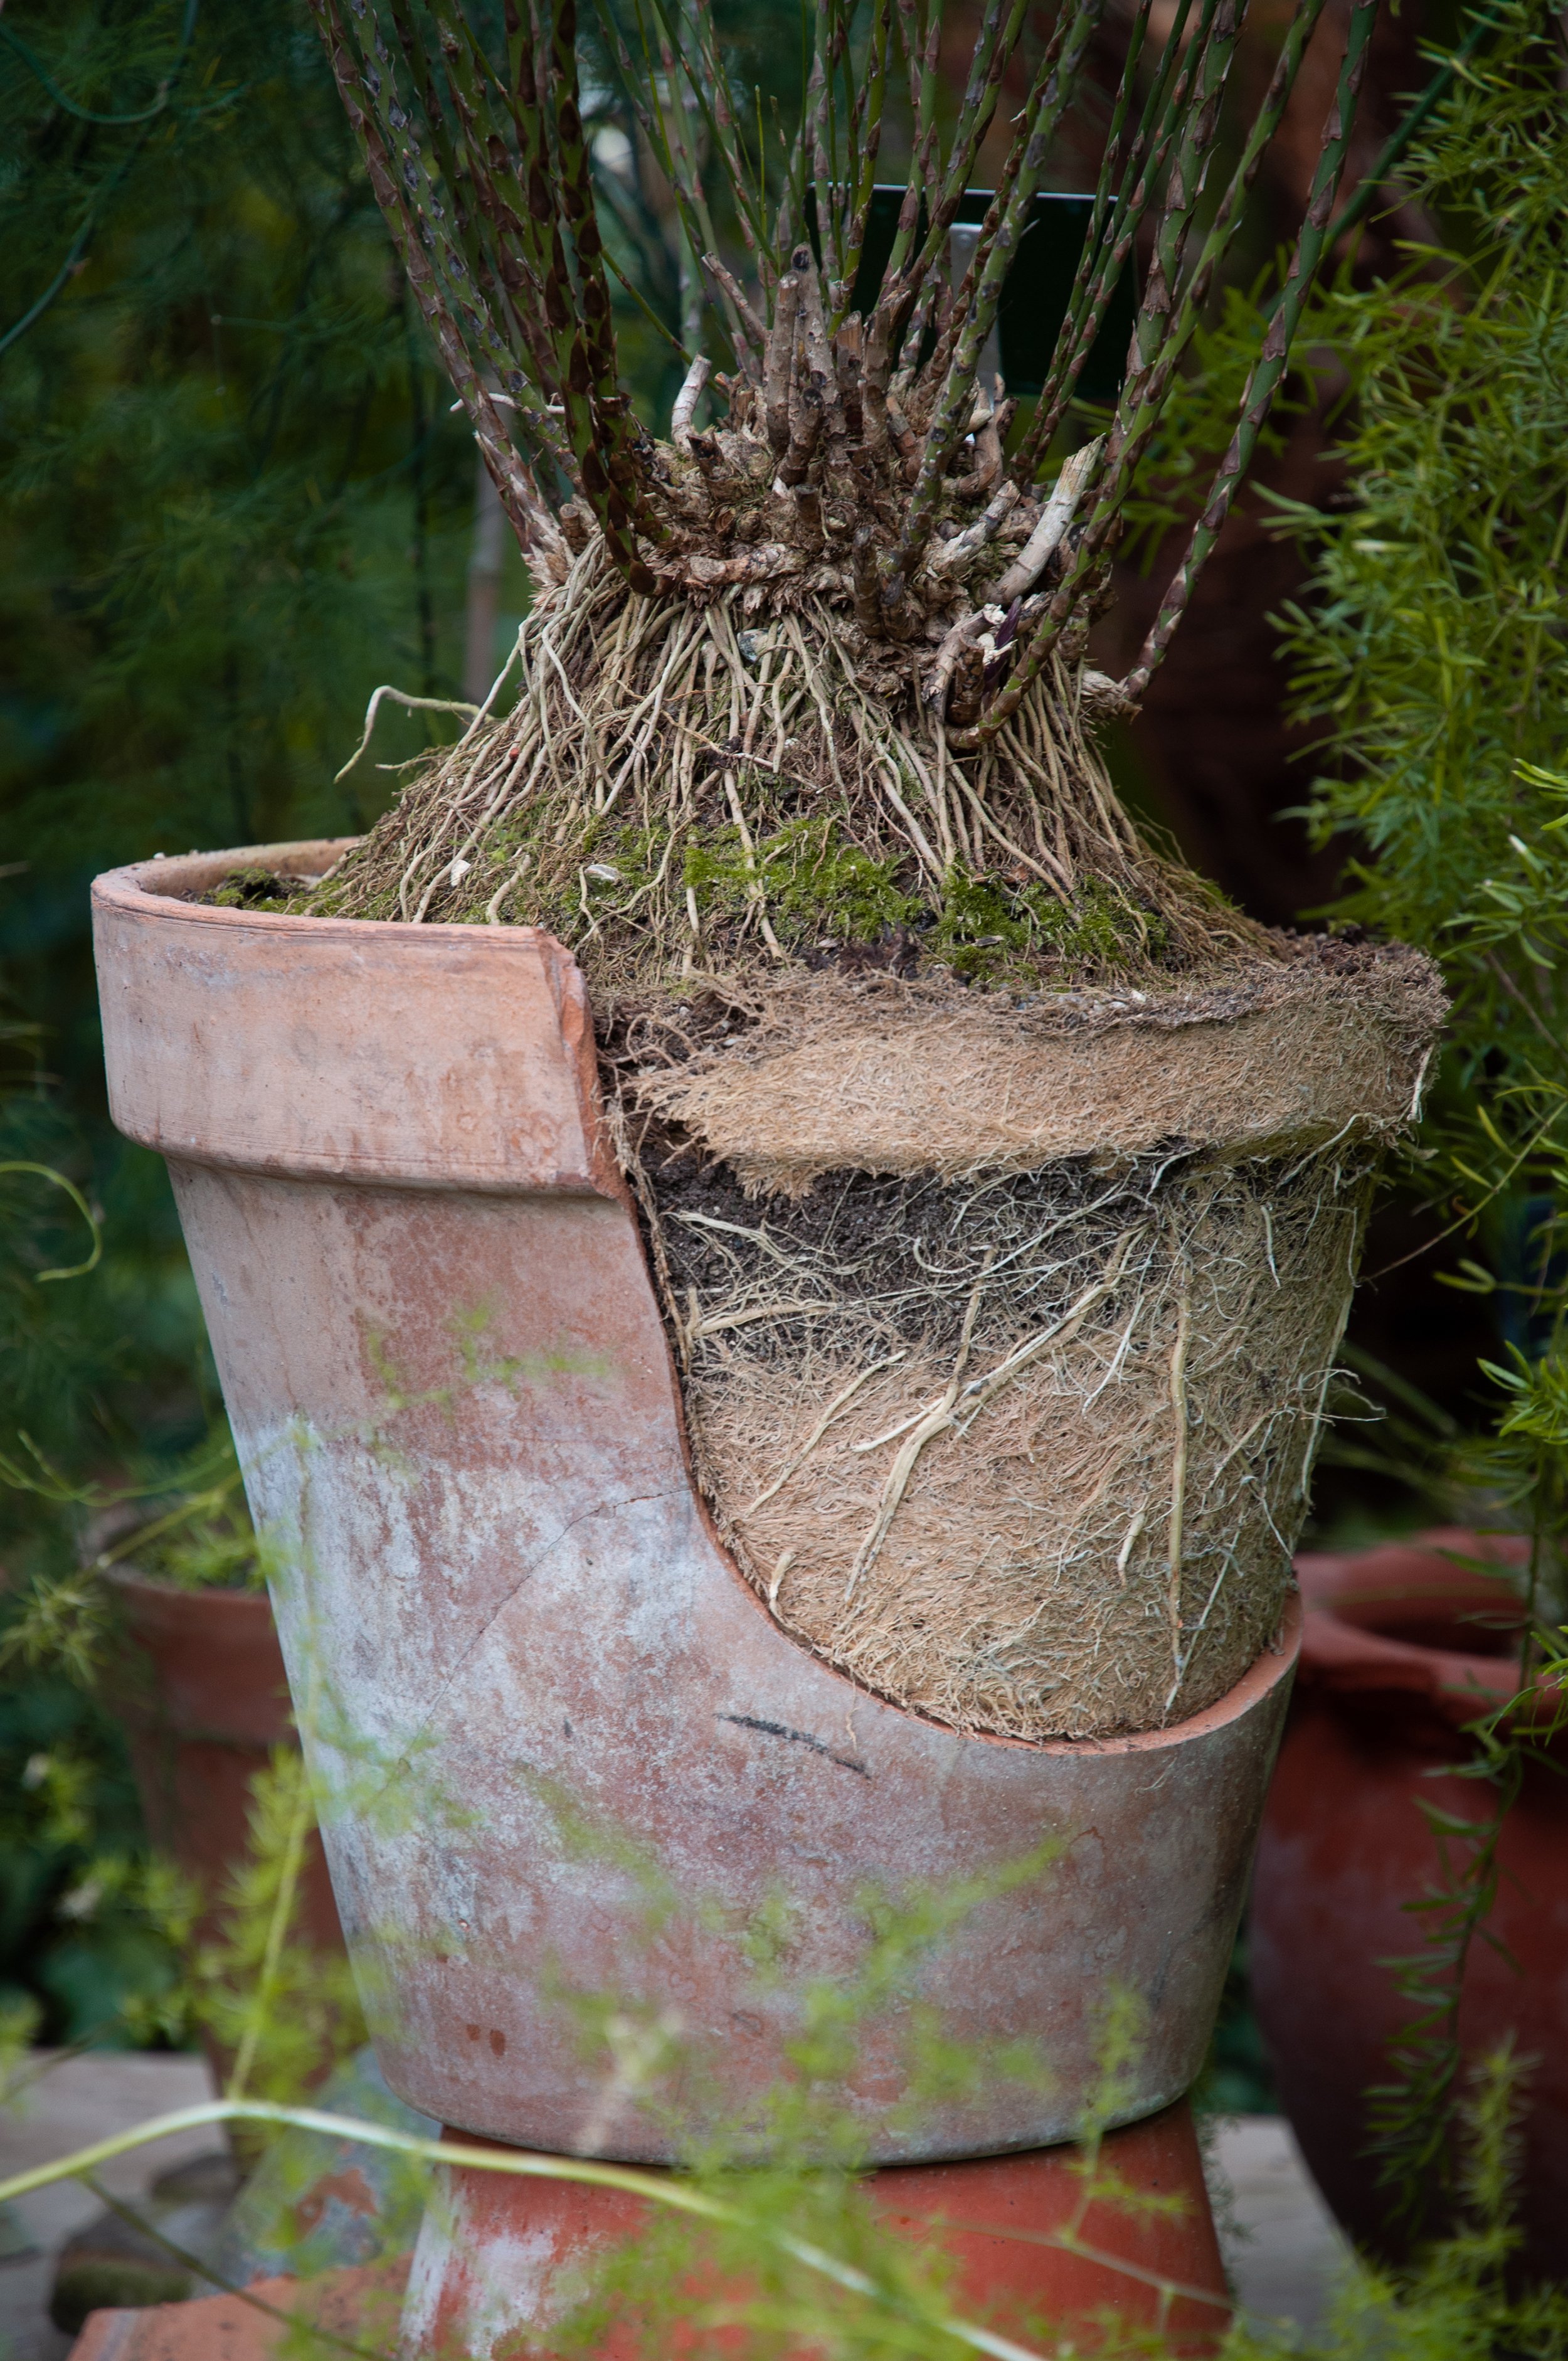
(1169, 320)
(48, 1172)
(876, 95)
(1112, 223)
(1399, 138)
(1319, 233)
(1057, 82)
(301, 1822)
(1312, 243)
(512, 477)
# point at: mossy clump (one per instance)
(252, 889)
(821, 888)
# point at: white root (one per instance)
(980, 632)
(841, 1401)
(1055, 518)
(950, 560)
(686, 401)
(960, 1405)
(1179, 1472)
(966, 634)
(414, 704)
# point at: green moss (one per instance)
(994, 931)
(818, 885)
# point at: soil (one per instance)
(253, 889)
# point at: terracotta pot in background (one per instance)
(203, 1697)
(1402, 1646)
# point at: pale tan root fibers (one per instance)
(649, 734)
(924, 1077)
(990, 1533)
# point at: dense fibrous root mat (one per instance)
(1018, 1434)
(1028, 1453)
(798, 1073)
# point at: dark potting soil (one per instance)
(252, 889)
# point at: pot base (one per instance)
(499, 2256)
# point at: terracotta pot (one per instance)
(203, 1696)
(567, 1748)
(1403, 1646)
(995, 2218)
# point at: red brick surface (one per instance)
(228, 2328)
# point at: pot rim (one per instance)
(134, 890)
(1348, 1655)
(128, 1576)
(1352, 1072)
(180, 875)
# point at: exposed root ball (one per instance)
(1029, 1454)
(1017, 1436)
(694, 785)
(1005, 1315)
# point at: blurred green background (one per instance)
(231, 501)
(234, 498)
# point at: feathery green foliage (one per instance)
(232, 499)
(283, 2009)
(1433, 655)
(231, 495)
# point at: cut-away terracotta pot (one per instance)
(1402, 1646)
(564, 1747)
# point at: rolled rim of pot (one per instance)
(1423, 1618)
